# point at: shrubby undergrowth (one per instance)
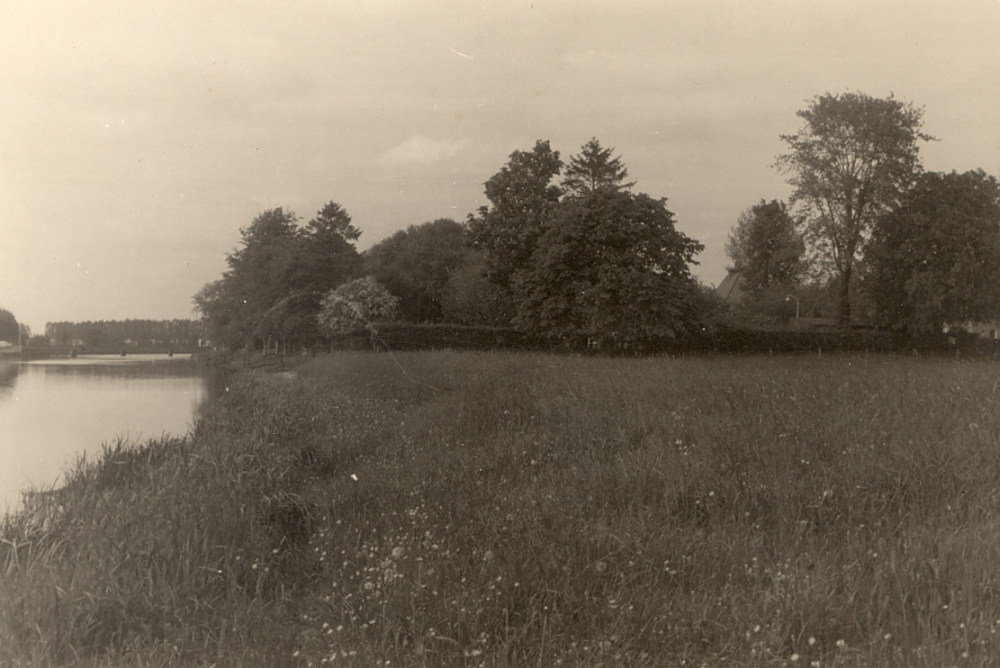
(468, 509)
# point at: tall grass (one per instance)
(157, 553)
(473, 509)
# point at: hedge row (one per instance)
(407, 336)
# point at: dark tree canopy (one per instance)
(935, 259)
(522, 201)
(593, 169)
(595, 260)
(332, 224)
(216, 301)
(416, 264)
(853, 159)
(325, 258)
(766, 248)
(470, 298)
(260, 272)
(278, 275)
(612, 264)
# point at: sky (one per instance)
(138, 138)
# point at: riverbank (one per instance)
(467, 509)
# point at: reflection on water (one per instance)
(8, 377)
(53, 411)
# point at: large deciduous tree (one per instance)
(523, 200)
(589, 259)
(612, 264)
(416, 264)
(259, 278)
(935, 259)
(277, 277)
(852, 160)
(216, 302)
(766, 248)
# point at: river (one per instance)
(54, 411)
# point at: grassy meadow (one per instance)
(488, 509)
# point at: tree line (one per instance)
(868, 235)
(580, 256)
(178, 333)
(569, 250)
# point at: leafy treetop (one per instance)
(416, 265)
(766, 248)
(854, 157)
(278, 275)
(522, 198)
(612, 264)
(935, 259)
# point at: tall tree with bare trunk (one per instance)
(853, 159)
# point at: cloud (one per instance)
(420, 150)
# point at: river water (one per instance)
(54, 411)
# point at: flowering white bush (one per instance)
(355, 305)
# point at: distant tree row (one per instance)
(115, 333)
(871, 232)
(584, 257)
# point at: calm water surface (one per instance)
(54, 411)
